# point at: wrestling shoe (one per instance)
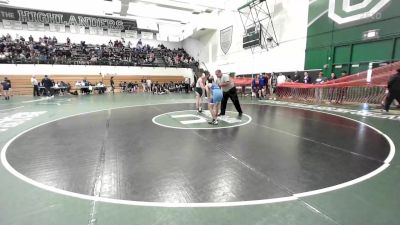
(213, 122)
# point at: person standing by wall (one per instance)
(273, 82)
(319, 91)
(295, 91)
(255, 86)
(35, 85)
(306, 91)
(229, 91)
(342, 92)
(6, 84)
(47, 83)
(332, 90)
(187, 85)
(266, 87)
(143, 81)
(296, 77)
(149, 84)
(281, 79)
(112, 84)
(261, 86)
(393, 90)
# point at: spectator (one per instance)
(262, 85)
(332, 90)
(6, 84)
(255, 86)
(8, 37)
(35, 85)
(393, 90)
(86, 87)
(342, 91)
(47, 83)
(306, 91)
(139, 44)
(112, 84)
(281, 79)
(319, 91)
(307, 78)
(273, 82)
(296, 77)
(100, 87)
(148, 85)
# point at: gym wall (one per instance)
(340, 45)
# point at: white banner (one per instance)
(57, 27)
(174, 38)
(147, 35)
(35, 26)
(114, 32)
(77, 29)
(12, 24)
(161, 37)
(226, 39)
(131, 34)
(96, 31)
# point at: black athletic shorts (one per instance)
(199, 90)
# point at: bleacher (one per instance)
(118, 53)
(48, 50)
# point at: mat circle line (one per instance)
(296, 196)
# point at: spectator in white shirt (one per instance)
(319, 91)
(281, 79)
(35, 85)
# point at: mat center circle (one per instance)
(192, 119)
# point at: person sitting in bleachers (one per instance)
(135, 87)
(85, 86)
(100, 87)
(48, 51)
(139, 44)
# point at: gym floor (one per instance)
(140, 159)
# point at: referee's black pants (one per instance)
(36, 90)
(232, 94)
(390, 97)
(49, 91)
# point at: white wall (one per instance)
(203, 49)
(290, 20)
(12, 69)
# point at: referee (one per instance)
(393, 89)
(229, 91)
